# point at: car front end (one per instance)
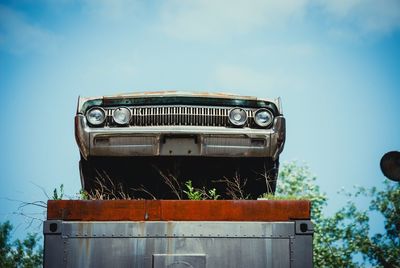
(175, 125)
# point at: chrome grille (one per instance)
(180, 116)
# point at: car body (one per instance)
(199, 135)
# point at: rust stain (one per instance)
(170, 240)
(153, 210)
(142, 228)
(178, 210)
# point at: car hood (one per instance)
(179, 94)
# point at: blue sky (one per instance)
(335, 64)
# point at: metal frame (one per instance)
(178, 244)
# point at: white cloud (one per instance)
(244, 79)
(113, 10)
(362, 17)
(202, 19)
(340, 8)
(19, 37)
(214, 19)
(280, 67)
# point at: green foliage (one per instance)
(381, 249)
(83, 195)
(339, 238)
(212, 194)
(192, 193)
(5, 247)
(24, 253)
(200, 194)
(385, 248)
(58, 194)
(295, 180)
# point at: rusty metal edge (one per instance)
(178, 210)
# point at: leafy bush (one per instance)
(346, 234)
(200, 194)
(25, 253)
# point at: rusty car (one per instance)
(140, 140)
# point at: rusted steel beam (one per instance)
(178, 210)
(235, 210)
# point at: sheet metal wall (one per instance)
(178, 244)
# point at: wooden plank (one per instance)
(178, 210)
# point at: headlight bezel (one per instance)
(100, 123)
(266, 124)
(238, 122)
(120, 123)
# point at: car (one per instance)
(152, 143)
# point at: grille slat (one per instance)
(181, 116)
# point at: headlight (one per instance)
(238, 116)
(96, 116)
(263, 117)
(122, 116)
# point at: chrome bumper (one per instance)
(180, 140)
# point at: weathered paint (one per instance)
(169, 93)
(178, 210)
(177, 244)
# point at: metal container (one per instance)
(178, 244)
